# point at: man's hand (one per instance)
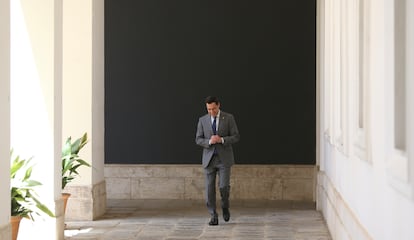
(215, 139)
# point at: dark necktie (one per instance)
(215, 133)
(214, 126)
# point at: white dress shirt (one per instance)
(217, 125)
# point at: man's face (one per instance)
(213, 108)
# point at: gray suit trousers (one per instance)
(216, 166)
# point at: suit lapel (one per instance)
(207, 122)
(221, 123)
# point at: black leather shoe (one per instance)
(213, 221)
(226, 214)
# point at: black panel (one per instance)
(163, 57)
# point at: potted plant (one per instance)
(24, 199)
(71, 162)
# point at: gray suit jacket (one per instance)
(227, 129)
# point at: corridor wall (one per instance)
(365, 186)
(162, 58)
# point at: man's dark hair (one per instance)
(212, 99)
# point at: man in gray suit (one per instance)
(216, 132)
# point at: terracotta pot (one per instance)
(15, 223)
(65, 197)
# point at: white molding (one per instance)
(336, 74)
(398, 173)
(326, 63)
(399, 162)
(360, 133)
(360, 146)
(398, 166)
(342, 221)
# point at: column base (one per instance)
(86, 203)
(5, 231)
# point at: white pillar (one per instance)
(5, 119)
(410, 87)
(83, 102)
(36, 121)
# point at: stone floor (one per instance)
(188, 220)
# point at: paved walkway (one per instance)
(190, 221)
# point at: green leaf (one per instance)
(24, 200)
(43, 207)
(33, 183)
(16, 165)
(71, 160)
(83, 163)
(28, 173)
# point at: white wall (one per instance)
(365, 184)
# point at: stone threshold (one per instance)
(180, 204)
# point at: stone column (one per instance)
(320, 85)
(5, 119)
(35, 95)
(83, 102)
(409, 88)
